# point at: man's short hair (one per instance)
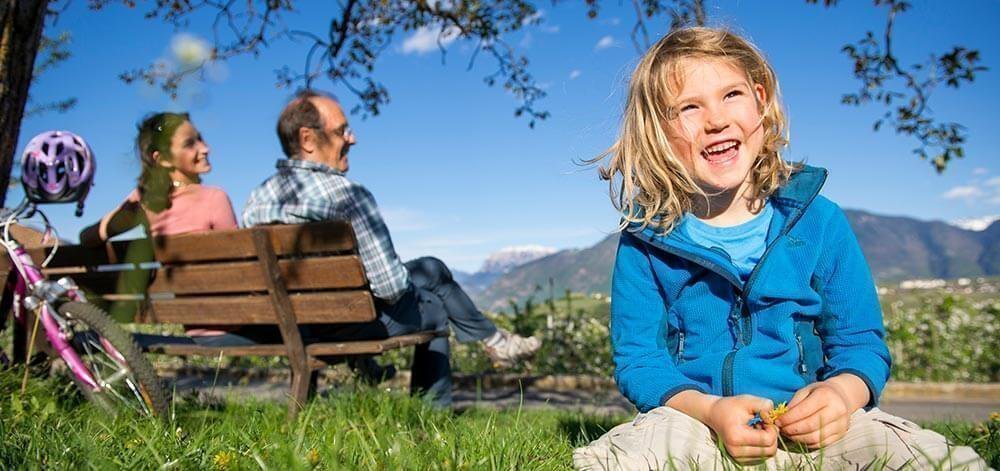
(300, 113)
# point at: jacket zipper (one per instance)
(680, 347)
(727, 373)
(802, 354)
(739, 337)
(784, 230)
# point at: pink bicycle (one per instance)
(103, 360)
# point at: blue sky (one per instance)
(458, 177)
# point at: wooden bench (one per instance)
(283, 275)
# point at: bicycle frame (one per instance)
(34, 292)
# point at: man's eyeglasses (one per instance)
(344, 132)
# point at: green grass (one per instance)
(49, 427)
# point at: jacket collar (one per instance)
(789, 202)
(792, 199)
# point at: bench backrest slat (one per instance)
(310, 308)
(329, 273)
(237, 244)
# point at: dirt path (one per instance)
(949, 404)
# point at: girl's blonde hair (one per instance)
(655, 188)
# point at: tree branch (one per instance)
(877, 67)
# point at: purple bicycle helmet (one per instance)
(57, 167)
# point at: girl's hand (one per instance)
(820, 414)
(728, 417)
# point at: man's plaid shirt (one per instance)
(304, 191)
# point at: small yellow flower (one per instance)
(133, 443)
(313, 456)
(995, 417)
(222, 460)
(775, 413)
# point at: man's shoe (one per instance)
(505, 349)
(369, 371)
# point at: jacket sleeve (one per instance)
(851, 328)
(644, 368)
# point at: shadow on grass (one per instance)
(581, 430)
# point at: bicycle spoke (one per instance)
(122, 373)
(138, 395)
(99, 361)
(90, 354)
(121, 398)
(108, 355)
(114, 365)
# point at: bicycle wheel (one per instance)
(126, 377)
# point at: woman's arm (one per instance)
(123, 218)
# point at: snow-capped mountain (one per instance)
(499, 263)
(510, 257)
(975, 224)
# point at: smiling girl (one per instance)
(737, 286)
(170, 198)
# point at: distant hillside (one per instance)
(581, 270)
(497, 264)
(900, 248)
(896, 248)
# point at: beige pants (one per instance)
(665, 438)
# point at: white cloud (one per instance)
(538, 19)
(574, 74)
(980, 171)
(403, 219)
(995, 181)
(425, 39)
(605, 43)
(533, 18)
(527, 40)
(963, 192)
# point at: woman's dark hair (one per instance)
(155, 134)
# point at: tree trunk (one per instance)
(21, 24)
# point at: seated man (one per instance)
(310, 185)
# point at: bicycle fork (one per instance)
(43, 295)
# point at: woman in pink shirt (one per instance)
(169, 198)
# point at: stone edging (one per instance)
(973, 392)
(980, 392)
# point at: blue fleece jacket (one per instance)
(681, 318)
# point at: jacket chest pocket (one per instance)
(809, 348)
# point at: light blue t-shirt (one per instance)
(744, 243)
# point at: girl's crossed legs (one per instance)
(665, 438)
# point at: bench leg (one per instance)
(301, 386)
